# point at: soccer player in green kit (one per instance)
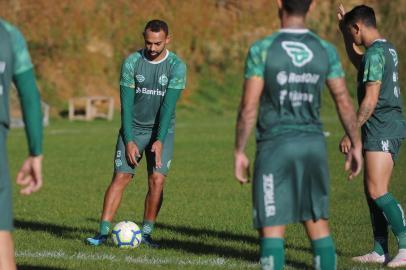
(382, 124)
(152, 80)
(16, 66)
(284, 76)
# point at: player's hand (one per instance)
(353, 161)
(340, 15)
(29, 177)
(241, 168)
(132, 153)
(345, 145)
(157, 149)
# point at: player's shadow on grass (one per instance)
(200, 248)
(54, 229)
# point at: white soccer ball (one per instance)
(126, 234)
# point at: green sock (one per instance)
(147, 227)
(394, 215)
(104, 227)
(379, 227)
(272, 254)
(324, 254)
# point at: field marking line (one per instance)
(143, 260)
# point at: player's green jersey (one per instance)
(14, 60)
(380, 64)
(294, 65)
(150, 81)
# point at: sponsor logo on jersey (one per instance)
(163, 80)
(298, 52)
(2, 66)
(296, 98)
(146, 91)
(385, 145)
(282, 77)
(395, 56)
(269, 195)
(140, 78)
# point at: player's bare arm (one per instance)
(132, 153)
(354, 54)
(247, 114)
(348, 119)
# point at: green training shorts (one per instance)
(144, 140)
(291, 180)
(391, 146)
(6, 215)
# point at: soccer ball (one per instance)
(126, 234)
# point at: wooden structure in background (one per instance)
(91, 107)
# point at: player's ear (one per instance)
(168, 39)
(279, 2)
(356, 27)
(312, 6)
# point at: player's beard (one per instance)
(152, 55)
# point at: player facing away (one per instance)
(383, 127)
(151, 82)
(284, 76)
(16, 66)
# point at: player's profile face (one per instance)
(155, 43)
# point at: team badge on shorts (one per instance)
(385, 145)
(118, 162)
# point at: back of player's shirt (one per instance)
(294, 65)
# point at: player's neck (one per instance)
(371, 37)
(292, 22)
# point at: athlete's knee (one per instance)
(121, 180)
(156, 181)
(376, 193)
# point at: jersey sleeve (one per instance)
(255, 62)
(335, 69)
(127, 76)
(177, 77)
(374, 66)
(22, 59)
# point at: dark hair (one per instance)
(296, 7)
(361, 13)
(156, 26)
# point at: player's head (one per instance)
(156, 36)
(295, 7)
(359, 19)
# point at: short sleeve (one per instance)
(374, 66)
(127, 76)
(177, 78)
(335, 69)
(22, 57)
(255, 62)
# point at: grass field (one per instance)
(205, 222)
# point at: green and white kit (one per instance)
(385, 129)
(291, 181)
(149, 91)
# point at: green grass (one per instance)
(205, 222)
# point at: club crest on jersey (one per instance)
(298, 52)
(395, 56)
(140, 78)
(163, 80)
